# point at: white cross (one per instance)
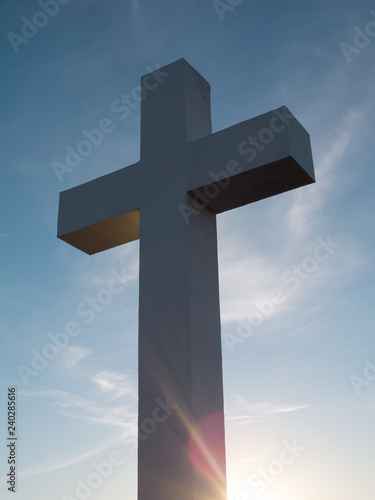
(169, 199)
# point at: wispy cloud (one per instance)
(330, 151)
(242, 412)
(98, 408)
(251, 267)
(117, 384)
(64, 462)
(122, 417)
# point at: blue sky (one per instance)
(304, 378)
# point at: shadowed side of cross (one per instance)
(169, 199)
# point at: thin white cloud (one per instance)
(121, 418)
(97, 409)
(118, 384)
(249, 272)
(329, 153)
(44, 467)
(286, 408)
(242, 412)
(62, 399)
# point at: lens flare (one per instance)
(206, 451)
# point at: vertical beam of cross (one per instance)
(179, 318)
